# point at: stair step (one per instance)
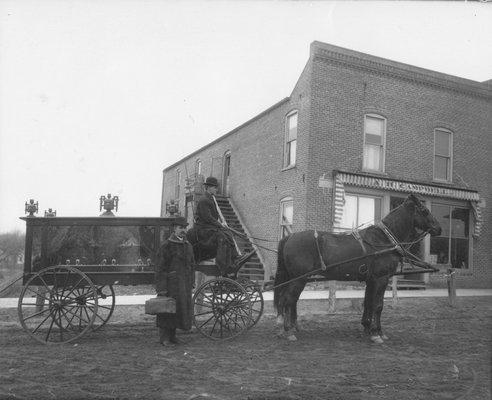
(253, 268)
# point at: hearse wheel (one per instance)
(58, 305)
(222, 309)
(105, 305)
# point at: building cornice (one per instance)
(405, 186)
(361, 61)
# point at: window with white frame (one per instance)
(443, 150)
(359, 210)
(177, 187)
(198, 167)
(374, 142)
(451, 247)
(286, 216)
(290, 140)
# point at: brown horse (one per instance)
(371, 255)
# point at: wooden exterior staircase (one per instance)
(253, 269)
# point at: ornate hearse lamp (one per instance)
(31, 208)
(50, 213)
(108, 203)
(172, 208)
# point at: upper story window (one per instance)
(374, 142)
(290, 140)
(177, 186)
(443, 150)
(286, 216)
(198, 167)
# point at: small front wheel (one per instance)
(222, 309)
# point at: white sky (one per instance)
(99, 97)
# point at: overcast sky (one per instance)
(99, 97)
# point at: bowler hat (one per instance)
(211, 181)
(180, 221)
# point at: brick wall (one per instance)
(342, 94)
(335, 90)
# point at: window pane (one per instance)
(374, 126)
(291, 153)
(349, 218)
(292, 127)
(439, 248)
(442, 145)
(441, 168)
(287, 213)
(459, 253)
(442, 212)
(366, 210)
(374, 139)
(372, 157)
(459, 222)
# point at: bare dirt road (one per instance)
(434, 352)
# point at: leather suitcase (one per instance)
(160, 305)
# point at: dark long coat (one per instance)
(209, 237)
(174, 277)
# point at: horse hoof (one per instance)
(291, 338)
(377, 339)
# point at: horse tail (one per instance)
(281, 276)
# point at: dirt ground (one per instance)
(434, 352)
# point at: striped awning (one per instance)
(344, 178)
(407, 187)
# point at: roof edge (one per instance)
(390, 67)
(278, 104)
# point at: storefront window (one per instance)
(451, 247)
(360, 210)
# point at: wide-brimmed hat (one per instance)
(211, 181)
(180, 221)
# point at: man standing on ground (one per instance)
(174, 278)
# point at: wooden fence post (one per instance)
(332, 287)
(451, 287)
(394, 289)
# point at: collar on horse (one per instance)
(358, 237)
(391, 237)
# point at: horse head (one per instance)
(422, 217)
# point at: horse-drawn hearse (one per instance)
(73, 263)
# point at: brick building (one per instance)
(356, 135)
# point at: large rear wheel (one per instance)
(105, 305)
(58, 305)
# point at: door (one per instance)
(226, 174)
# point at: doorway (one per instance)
(226, 174)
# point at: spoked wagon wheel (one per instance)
(222, 309)
(105, 305)
(256, 298)
(67, 309)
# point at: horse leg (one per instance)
(292, 293)
(381, 285)
(376, 301)
(367, 315)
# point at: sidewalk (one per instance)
(306, 295)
